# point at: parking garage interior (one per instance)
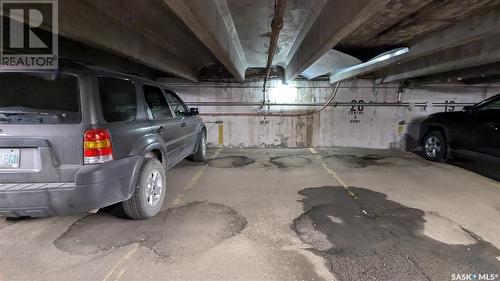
(315, 166)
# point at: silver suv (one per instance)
(82, 138)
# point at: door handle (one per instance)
(494, 126)
(162, 130)
(183, 124)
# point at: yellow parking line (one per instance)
(178, 200)
(333, 174)
(122, 260)
(119, 276)
(194, 180)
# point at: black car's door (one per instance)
(488, 128)
(187, 121)
(163, 122)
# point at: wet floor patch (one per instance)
(485, 168)
(373, 238)
(184, 231)
(230, 161)
(374, 160)
(6, 222)
(290, 161)
(355, 161)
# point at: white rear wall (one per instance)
(378, 127)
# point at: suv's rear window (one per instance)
(39, 98)
(118, 99)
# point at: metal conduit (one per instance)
(334, 104)
(276, 27)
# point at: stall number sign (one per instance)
(356, 111)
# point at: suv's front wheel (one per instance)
(435, 146)
(149, 194)
(201, 150)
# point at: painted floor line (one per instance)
(178, 200)
(122, 260)
(119, 276)
(194, 180)
(331, 172)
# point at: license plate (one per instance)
(10, 158)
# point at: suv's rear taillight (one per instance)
(97, 147)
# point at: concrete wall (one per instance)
(347, 126)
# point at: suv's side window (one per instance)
(156, 102)
(494, 105)
(177, 104)
(118, 99)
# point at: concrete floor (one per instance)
(301, 214)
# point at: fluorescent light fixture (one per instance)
(380, 58)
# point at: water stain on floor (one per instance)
(355, 161)
(373, 160)
(373, 238)
(486, 168)
(230, 161)
(184, 231)
(6, 222)
(290, 161)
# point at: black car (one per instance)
(475, 130)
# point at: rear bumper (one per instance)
(96, 186)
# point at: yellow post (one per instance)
(221, 134)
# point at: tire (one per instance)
(435, 146)
(149, 194)
(201, 150)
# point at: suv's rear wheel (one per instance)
(201, 150)
(149, 194)
(435, 146)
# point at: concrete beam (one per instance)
(476, 53)
(311, 18)
(212, 23)
(474, 75)
(80, 21)
(337, 20)
(459, 34)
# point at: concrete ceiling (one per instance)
(404, 22)
(186, 38)
(252, 19)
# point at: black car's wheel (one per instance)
(201, 151)
(149, 194)
(435, 147)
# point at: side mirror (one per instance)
(194, 111)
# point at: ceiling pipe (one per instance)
(293, 114)
(276, 26)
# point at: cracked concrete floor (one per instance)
(278, 214)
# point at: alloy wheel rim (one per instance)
(154, 188)
(433, 146)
